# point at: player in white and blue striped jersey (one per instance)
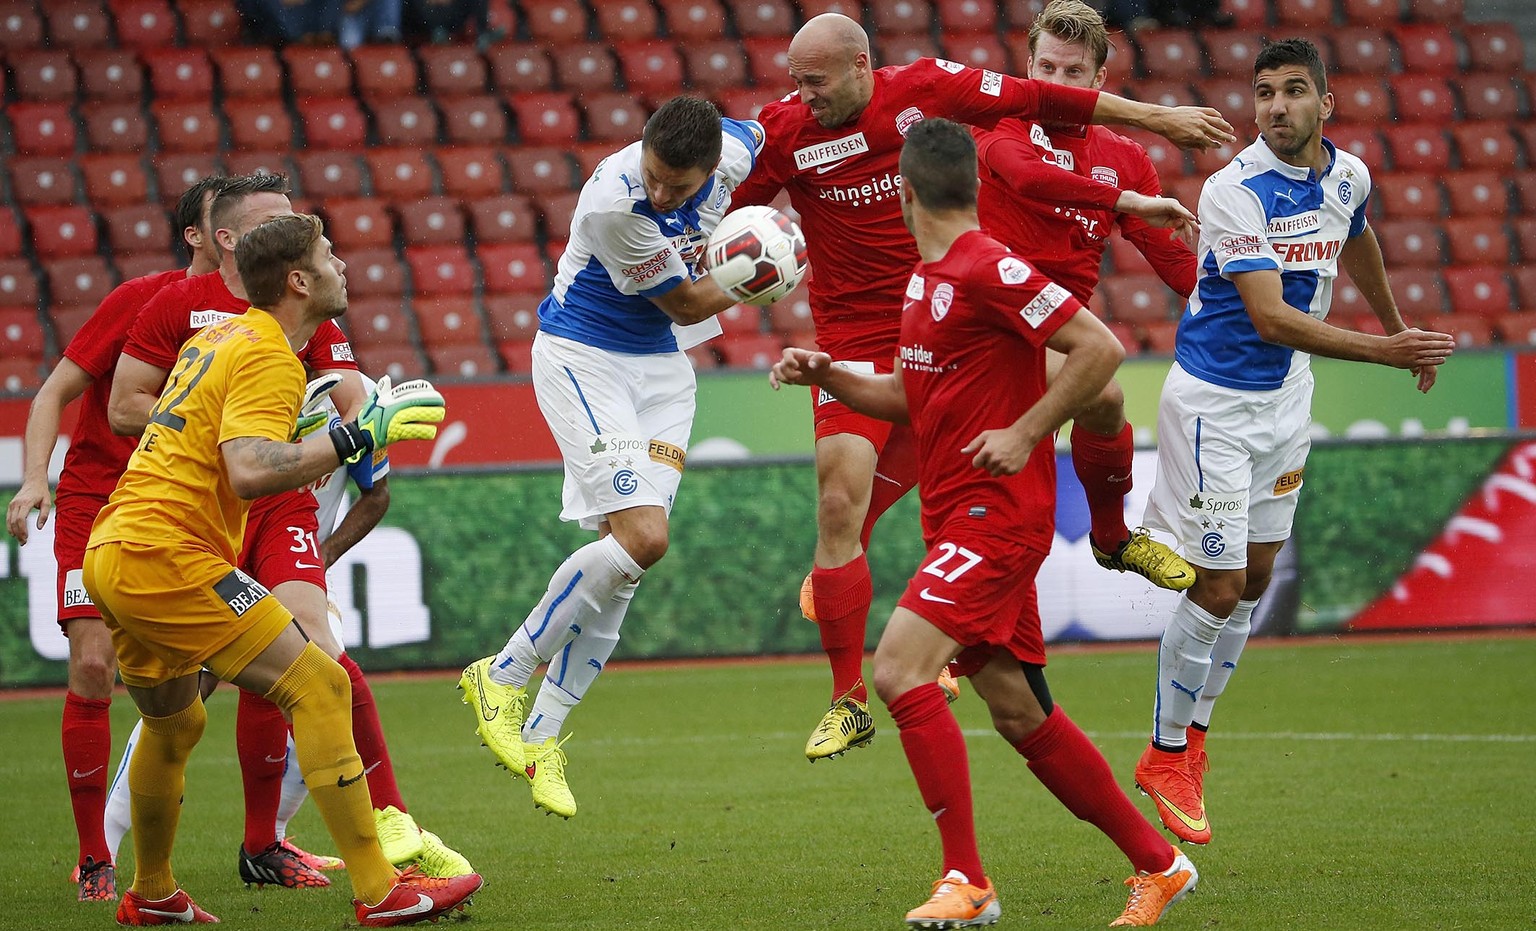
(617, 391)
(1234, 420)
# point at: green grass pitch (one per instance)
(1354, 784)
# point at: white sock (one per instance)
(117, 818)
(579, 591)
(294, 791)
(1183, 663)
(1229, 646)
(577, 666)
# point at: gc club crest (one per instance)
(943, 296)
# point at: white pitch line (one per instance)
(1275, 736)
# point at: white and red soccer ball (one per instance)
(757, 255)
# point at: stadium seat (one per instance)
(42, 128)
(977, 50)
(516, 356)
(750, 350)
(210, 24)
(453, 70)
(113, 126)
(539, 169)
(1364, 142)
(61, 231)
(1523, 230)
(374, 273)
(110, 74)
(558, 211)
(713, 64)
(139, 264)
(177, 171)
(1126, 258)
(179, 74)
(618, 20)
(504, 218)
(741, 319)
(745, 103)
(1137, 298)
(333, 123)
(471, 172)
(1427, 48)
(1477, 241)
(432, 221)
(399, 174)
(398, 362)
(1482, 290)
(21, 28)
(447, 321)
(1166, 157)
(1472, 331)
(791, 314)
(512, 268)
(584, 67)
(1420, 292)
(1230, 53)
(1409, 243)
(1407, 196)
(553, 250)
(1302, 14)
(763, 17)
(10, 233)
(440, 270)
(248, 71)
(1418, 147)
(853, 9)
(1187, 190)
(137, 228)
(18, 282)
(467, 360)
(1423, 98)
(650, 67)
(1231, 95)
(44, 76)
(545, 118)
(588, 156)
(67, 321)
(1361, 50)
(514, 316)
(80, 280)
(1378, 13)
(259, 124)
(1493, 47)
(1362, 99)
(1167, 92)
(474, 120)
(1170, 53)
(901, 17)
(1524, 277)
(271, 162)
(144, 24)
(966, 16)
(614, 117)
(520, 67)
(383, 72)
(553, 21)
(44, 180)
(324, 175)
(317, 71)
(358, 223)
(1477, 194)
(78, 24)
(1486, 145)
(1436, 11)
(1488, 96)
(905, 49)
(1348, 303)
(378, 322)
(185, 126)
(767, 61)
(21, 375)
(692, 20)
(405, 121)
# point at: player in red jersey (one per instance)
(833, 145)
(970, 380)
(1053, 192)
(280, 549)
(95, 460)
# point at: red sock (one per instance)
(1103, 465)
(87, 735)
(936, 752)
(842, 598)
(1066, 762)
(261, 743)
(895, 475)
(368, 734)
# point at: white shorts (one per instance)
(621, 421)
(1229, 466)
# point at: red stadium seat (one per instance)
(1302, 14)
(447, 321)
(507, 218)
(512, 268)
(1490, 96)
(1524, 229)
(399, 174)
(1420, 292)
(144, 24)
(1122, 61)
(440, 270)
(853, 9)
(514, 316)
(538, 169)
(553, 250)
(1126, 258)
(1436, 11)
(333, 123)
(1170, 53)
(1418, 147)
(1493, 47)
(59, 232)
(317, 71)
(259, 124)
(405, 121)
(177, 171)
(517, 356)
(763, 17)
(1477, 194)
(43, 128)
(1378, 13)
(67, 321)
(1405, 196)
(83, 280)
(248, 71)
(1166, 157)
(712, 64)
(453, 69)
(905, 49)
(1410, 243)
(614, 117)
(1424, 98)
(1165, 92)
(1481, 290)
(691, 20)
(359, 223)
(471, 172)
(585, 66)
(22, 375)
(960, 16)
(551, 21)
(78, 24)
(324, 175)
(44, 76)
(377, 323)
(624, 19)
(1486, 145)
(210, 24)
(1231, 96)
(139, 264)
(399, 363)
(1470, 330)
(374, 273)
(768, 61)
(1231, 53)
(1362, 50)
(110, 74)
(901, 17)
(271, 162)
(474, 120)
(1427, 49)
(179, 74)
(186, 126)
(115, 127)
(558, 210)
(1525, 300)
(1477, 241)
(18, 283)
(750, 350)
(1364, 142)
(518, 68)
(1360, 99)
(977, 50)
(21, 28)
(791, 314)
(1137, 298)
(741, 319)
(432, 221)
(138, 228)
(383, 71)
(1348, 303)
(744, 103)
(44, 180)
(10, 233)
(650, 67)
(545, 119)
(468, 360)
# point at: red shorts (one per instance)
(980, 591)
(833, 417)
(73, 515)
(280, 544)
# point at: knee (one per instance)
(92, 673)
(893, 680)
(1015, 724)
(838, 513)
(1105, 414)
(1218, 591)
(646, 544)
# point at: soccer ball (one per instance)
(756, 255)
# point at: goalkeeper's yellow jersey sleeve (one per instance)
(237, 378)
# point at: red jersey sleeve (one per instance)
(156, 336)
(1171, 259)
(981, 98)
(95, 347)
(1024, 300)
(771, 172)
(328, 349)
(1023, 166)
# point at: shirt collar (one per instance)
(1269, 159)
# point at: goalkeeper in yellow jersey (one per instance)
(161, 566)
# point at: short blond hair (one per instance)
(1073, 21)
(269, 252)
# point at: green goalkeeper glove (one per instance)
(408, 411)
(313, 413)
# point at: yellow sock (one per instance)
(156, 780)
(316, 694)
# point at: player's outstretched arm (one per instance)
(135, 389)
(694, 301)
(1361, 259)
(364, 515)
(1186, 127)
(878, 396)
(259, 466)
(66, 382)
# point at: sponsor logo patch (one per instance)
(1218, 505)
(341, 352)
(202, 318)
(915, 286)
(992, 84)
(1288, 482)
(650, 268)
(953, 67)
(943, 296)
(1045, 303)
(667, 454)
(1012, 270)
(1300, 223)
(75, 594)
(240, 591)
(1237, 247)
(834, 150)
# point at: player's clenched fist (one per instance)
(312, 412)
(407, 411)
(799, 367)
(1000, 452)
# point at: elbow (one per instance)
(120, 422)
(247, 486)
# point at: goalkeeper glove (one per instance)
(408, 411)
(313, 413)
